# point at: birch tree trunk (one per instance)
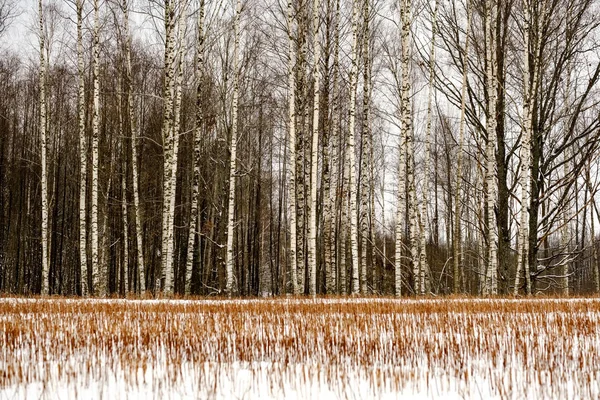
(423, 266)
(233, 155)
(125, 262)
(312, 237)
(43, 143)
(365, 184)
(134, 126)
(98, 269)
(197, 148)
(170, 265)
(85, 289)
(491, 284)
(168, 140)
(400, 213)
(351, 152)
(301, 136)
(457, 239)
(406, 148)
(291, 172)
(529, 88)
(330, 240)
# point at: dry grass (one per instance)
(302, 348)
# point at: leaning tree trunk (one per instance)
(233, 155)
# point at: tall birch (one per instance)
(405, 146)
(529, 91)
(291, 172)
(134, 126)
(457, 239)
(178, 90)
(423, 266)
(312, 237)
(44, 149)
(82, 152)
(168, 139)
(366, 167)
(99, 277)
(490, 286)
(328, 218)
(233, 153)
(197, 148)
(351, 152)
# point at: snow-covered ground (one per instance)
(299, 349)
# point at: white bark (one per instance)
(312, 226)
(491, 283)
(525, 156)
(82, 152)
(400, 211)
(43, 144)
(351, 152)
(125, 263)
(232, 161)
(98, 269)
(291, 172)
(168, 140)
(405, 160)
(423, 266)
(197, 148)
(134, 155)
(170, 265)
(328, 213)
(366, 167)
(457, 240)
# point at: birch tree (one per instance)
(366, 165)
(98, 269)
(197, 147)
(291, 171)
(350, 148)
(405, 146)
(457, 239)
(233, 152)
(328, 219)
(490, 286)
(423, 266)
(44, 148)
(168, 136)
(530, 84)
(312, 239)
(134, 126)
(85, 289)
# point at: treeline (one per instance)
(326, 147)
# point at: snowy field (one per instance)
(299, 349)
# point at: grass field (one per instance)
(300, 349)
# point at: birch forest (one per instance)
(308, 147)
